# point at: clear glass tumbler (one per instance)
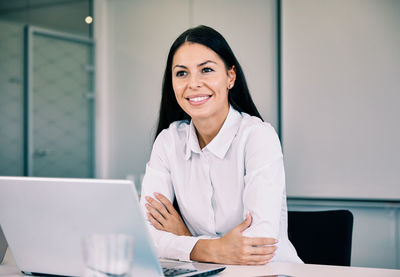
(107, 255)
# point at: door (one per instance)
(59, 105)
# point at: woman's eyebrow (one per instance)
(206, 62)
(201, 64)
(178, 65)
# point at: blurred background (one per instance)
(80, 86)
(46, 88)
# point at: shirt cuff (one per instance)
(178, 247)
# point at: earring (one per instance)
(230, 86)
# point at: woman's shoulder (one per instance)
(260, 138)
(177, 130)
(254, 125)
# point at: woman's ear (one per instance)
(231, 76)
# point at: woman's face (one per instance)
(201, 82)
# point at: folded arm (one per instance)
(232, 248)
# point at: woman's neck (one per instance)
(208, 128)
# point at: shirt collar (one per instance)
(219, 146)
(192, 143)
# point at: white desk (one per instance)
(297, 270)
(306, 270)
(8, 269)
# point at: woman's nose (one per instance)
(194, 82)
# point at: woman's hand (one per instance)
(234, 248)
(164, 217)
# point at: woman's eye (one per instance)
(207, 69)
(180, 73)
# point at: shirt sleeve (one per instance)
(158, 179)
(264, 182)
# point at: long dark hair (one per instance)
(239, 96)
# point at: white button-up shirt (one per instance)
(240, 171)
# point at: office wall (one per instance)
(340, 111)
(133, 39)
(341, 98)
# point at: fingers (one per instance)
(157, 205)
(254, 258)
(155, 214)
(263, 250)
(259, 259)
(245, 224)
(253, 251)
(155, 222)
(259, 255)
(165, 201)
(259, 241)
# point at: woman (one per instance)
(216, 157)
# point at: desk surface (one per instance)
(298, 270)
(8, 269)
(306, 270)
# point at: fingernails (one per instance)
(147, 198)
(275, 241)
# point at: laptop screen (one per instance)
(45, 219)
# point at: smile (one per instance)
(198, 100)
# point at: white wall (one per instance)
(340, 113)
(134, 38)
(341, 98)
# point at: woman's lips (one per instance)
(198, 99)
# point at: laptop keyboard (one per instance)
(176, 271)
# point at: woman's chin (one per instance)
(208, 113)
(200, 116)
(199, 112)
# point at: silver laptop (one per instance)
(45, 219)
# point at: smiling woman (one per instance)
(216, 157)
(201, 83)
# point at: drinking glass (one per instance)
(107, 255)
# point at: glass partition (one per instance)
(59, 104)
(11, 99)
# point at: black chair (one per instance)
(322, 237)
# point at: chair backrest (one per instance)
(322, 237)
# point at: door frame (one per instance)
(29, 32)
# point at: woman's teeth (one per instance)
(198, 99)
